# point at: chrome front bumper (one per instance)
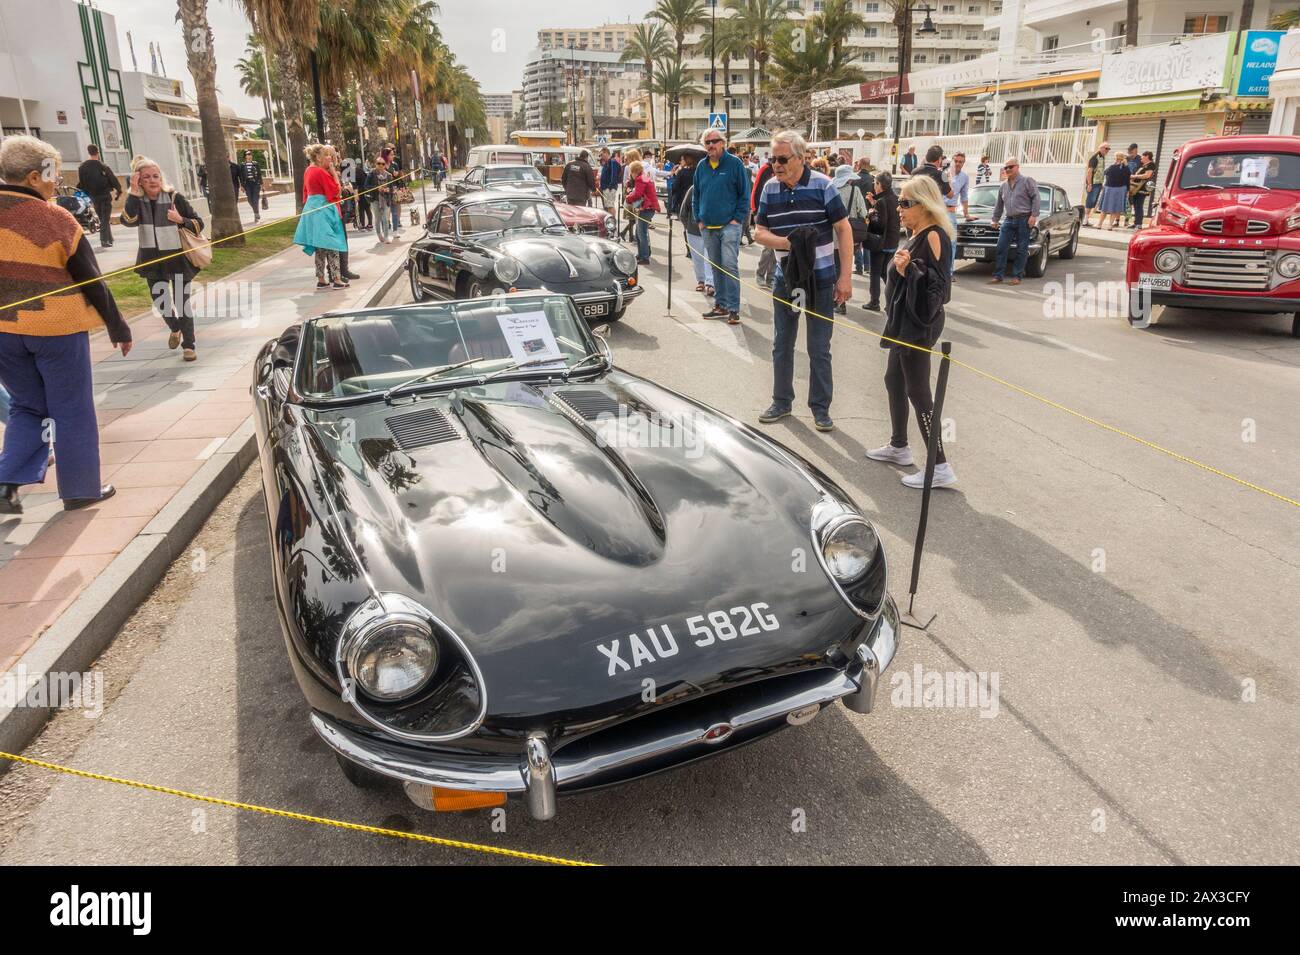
(538, 774)
(616, 295)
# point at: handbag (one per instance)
(196, 247)
(403, 195)
(265, 204)
(861, 231)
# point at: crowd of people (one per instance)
(1119, 190)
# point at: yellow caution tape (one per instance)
(301, 817)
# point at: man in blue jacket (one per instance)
(721, 203)
(611, 177)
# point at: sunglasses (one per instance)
(781, 160)
(712, 142)
(907, 203)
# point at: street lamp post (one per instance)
(927, 28)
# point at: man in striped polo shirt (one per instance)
(802, 206)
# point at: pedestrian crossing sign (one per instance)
(718, 121)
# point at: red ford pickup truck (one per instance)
(1227, 231)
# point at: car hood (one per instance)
(521, 187)
(555, 259)
(540, 536)
(1236, 207)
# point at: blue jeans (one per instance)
(785, 327)
(254, 191)
(397, 217)
(723, 248)
(643, 233)
(49, 382)
(1013, 230)
(1094, 194)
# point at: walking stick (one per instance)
(670, 261)
(931, 450)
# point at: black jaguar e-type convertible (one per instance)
(485, 242)
(504, 567)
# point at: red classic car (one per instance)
(1227, 231)
(589, 220)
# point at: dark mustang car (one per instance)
(1057, 229)
(487, 242)
(504, 567)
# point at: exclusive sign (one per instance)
(1188, 66)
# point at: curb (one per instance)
(1104, 242)
(87, 627)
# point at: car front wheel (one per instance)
(1295, 325)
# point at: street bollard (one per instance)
(931, 449)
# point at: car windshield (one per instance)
(347, 356)
(514, 174)
(1241, 170)
(985, 195)
(497, 215)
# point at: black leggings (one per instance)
(907, 378)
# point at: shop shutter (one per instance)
(1178, 130)
(1256, 124)
(1144, 132)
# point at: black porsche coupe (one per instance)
(487, 242)
(506, 568)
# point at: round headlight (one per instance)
(849, 550)
(394, 660)
(1288, 266)
(1168, 260)
(507, 270)
(609, 226)
(625, 261)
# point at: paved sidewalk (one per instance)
(126, 240)
(160, 421)
(1105, 238)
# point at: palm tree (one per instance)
(836, 23)
(288, 29)
(758, 21)
(672, 82)
(815, 64)
(201, 57)
(679, 17)
(647, 45)
(729, 44)
(1286, 20)
(353, 37)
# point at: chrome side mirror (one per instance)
(600, 331)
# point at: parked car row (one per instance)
(481, 242)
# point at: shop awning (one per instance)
(1250, 104)
(1139, 105)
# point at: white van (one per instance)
(493, 155)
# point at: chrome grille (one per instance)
(1237, 269)
(1256, 227)
(1212, 226)
(418, 429)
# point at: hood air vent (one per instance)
(419, 429)
(589, 404)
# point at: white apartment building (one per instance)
(46, 92)
(498, 104)
(963, 36)
(589, 83)
(611, 37)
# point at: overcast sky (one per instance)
(491, 37)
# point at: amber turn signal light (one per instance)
(457, 800)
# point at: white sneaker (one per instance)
(943, 477)
(891, 454)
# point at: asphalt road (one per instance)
(1139, 615)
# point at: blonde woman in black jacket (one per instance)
(918, 287)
